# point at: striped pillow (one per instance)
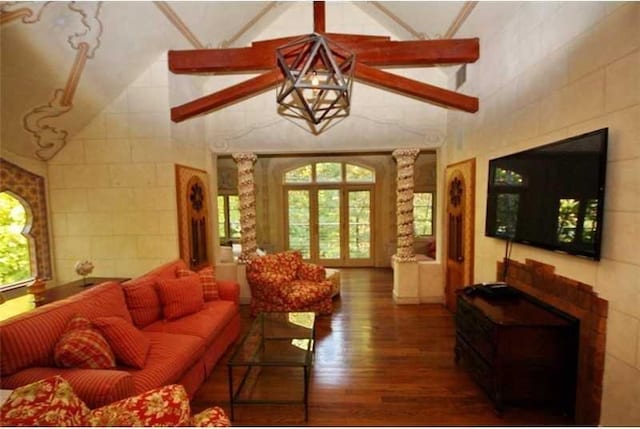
(143, 301)
(82, 346)
(207, 279)
(181, 296)
(128, 343)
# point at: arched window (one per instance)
(27, 190)
(15, 224)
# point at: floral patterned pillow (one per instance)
(48, 402)
(211, 417)
(164, 406)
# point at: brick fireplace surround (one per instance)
(580, 301)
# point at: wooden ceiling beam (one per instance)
(336, 37)
(415, 89)
(416, 52)
(369, 50)
(318, 16)
(221, 60)
(227, 96)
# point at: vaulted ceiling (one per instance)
(63, 62)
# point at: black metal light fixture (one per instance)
(318, 80)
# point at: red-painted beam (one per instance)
(226, 96)
(318, 16)
(416, 52)
(412, 88)
(368, 50)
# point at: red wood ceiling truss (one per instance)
(370, 51)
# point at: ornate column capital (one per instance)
(408, 153)
(244, 156)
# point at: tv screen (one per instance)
(551, 196)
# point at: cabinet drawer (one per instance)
(477, 330)
(480, 370)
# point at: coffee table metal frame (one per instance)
(277, 339)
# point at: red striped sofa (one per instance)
(183, 351)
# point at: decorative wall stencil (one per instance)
(48, 138)
(192, 197)
(12, 10)
(406, 159)
(247, 195)
(93, 26)
(30, 188)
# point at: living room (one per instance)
(546, 71)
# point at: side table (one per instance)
(21, 304)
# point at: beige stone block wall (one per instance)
(112, 187)
(550, 71)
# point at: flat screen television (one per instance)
(551, 196)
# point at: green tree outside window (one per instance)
(15, 263)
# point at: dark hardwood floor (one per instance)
(377, 364)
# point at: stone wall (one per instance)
(112, 187)
(548, 71)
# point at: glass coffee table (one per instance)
(277, 350)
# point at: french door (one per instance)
(331, 225)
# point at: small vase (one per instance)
(37, 289)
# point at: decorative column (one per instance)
(404, 203)
(247, 194)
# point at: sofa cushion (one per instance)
(206, 323)
(163, 406)
(48, 402)
(143, 301)
(29, 339)
(207, 280)
(181, 296)
(300, 293)
(170, 357)
(82, 346)
(128, 343)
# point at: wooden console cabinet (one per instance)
(519, 350)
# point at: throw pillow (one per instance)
(128, 343)
(143, 301)
(48, 402)
(211, 417)
(181, 296)
(207, 275)
(164, 406)
(82, 346)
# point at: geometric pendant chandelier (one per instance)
(313, 73)
(318, 80)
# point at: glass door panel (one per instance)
(329, 224)
(359, 212)
(299, 219)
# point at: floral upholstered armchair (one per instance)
(283, 282)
